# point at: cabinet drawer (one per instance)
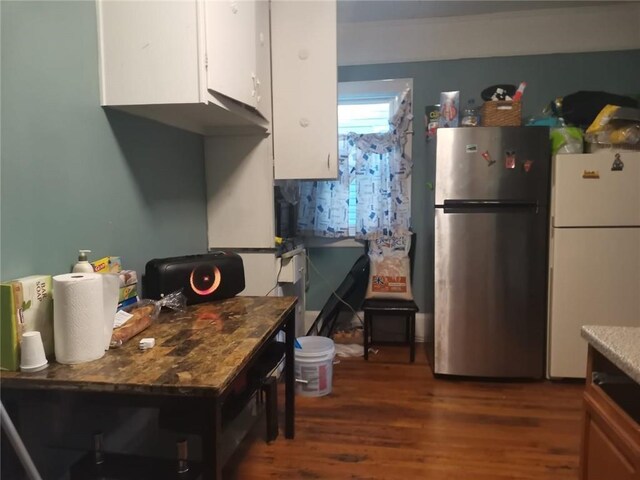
(611, 441)
(605, 458)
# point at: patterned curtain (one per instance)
(380, 169)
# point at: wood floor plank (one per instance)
(387, 419)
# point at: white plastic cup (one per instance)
(32, 357)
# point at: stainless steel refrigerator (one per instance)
(491, 241)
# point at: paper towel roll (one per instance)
(84, 305)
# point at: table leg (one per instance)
(211, 442)
(289, 376)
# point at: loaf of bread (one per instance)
(141, 319)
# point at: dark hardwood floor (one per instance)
(388, 419)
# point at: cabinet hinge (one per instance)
(206, 61)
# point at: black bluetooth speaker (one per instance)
(201, 278)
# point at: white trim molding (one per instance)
(531, 32)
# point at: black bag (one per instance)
(581, 108)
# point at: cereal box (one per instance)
(449, 109)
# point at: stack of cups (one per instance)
(32, 358)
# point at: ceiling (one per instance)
(354, 11)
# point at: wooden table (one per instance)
(198, 356)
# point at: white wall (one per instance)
(561, 30)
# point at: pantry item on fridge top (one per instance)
(616, 126)
(449, 109)
(581, 108)
(132, 320)
(431, 119)
(470, 115)
(498, 92)
(566, 140)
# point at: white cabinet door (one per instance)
(142, 58)
(590, 191)
(263, 59)
(231, 49)
(594, 280)
(154, 62)
(305, 82)
(240, 204)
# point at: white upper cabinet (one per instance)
(263, 58)
(192, 64)
(305, 82)
(231, 49)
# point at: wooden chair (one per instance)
(405, 309)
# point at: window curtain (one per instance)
(380, 169)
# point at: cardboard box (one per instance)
(27, 305)
(127, 292)
(107, 265)
(449, 109)
(10, 327)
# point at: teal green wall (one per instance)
(547, 77)
(74, 175)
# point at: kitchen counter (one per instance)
(620, 345)
(197, 352)
(611, 407)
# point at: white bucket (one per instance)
(314, 366)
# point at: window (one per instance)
(372, 194)
(365, 107)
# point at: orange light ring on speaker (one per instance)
(216, 283)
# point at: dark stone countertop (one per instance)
(198, 352)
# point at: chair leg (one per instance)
(407, 329)
(365, 334)
(270, 388)
(412, 337)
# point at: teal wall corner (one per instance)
(75, 175)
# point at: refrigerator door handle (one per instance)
(489, 206)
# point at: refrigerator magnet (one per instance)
(510, 160)
(618, 165)
(527, 165)
(471, 148)
(488, 158)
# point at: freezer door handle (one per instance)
(489, 206)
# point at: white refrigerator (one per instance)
(594, 252)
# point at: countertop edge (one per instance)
(597, 336)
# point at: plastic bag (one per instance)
(566, 140)
(581, 108)
(141, 314)
(615, 125)
(390, 268)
